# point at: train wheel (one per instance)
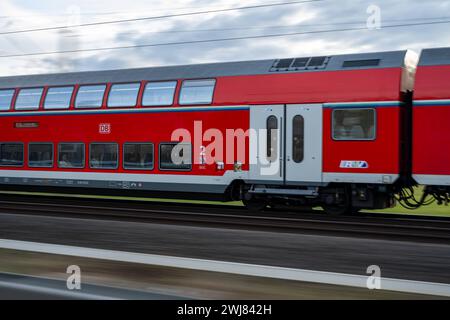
(255, 204)
(345, 207)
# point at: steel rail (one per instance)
(387, 227)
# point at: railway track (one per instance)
(391, 227)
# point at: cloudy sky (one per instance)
(316, 20)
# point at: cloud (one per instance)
(322, 15)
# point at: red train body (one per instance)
(431, 119)
(332, 131)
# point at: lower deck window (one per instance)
(354, 124)
(40, 155)
(175, 156)
(11, 154)
(103, 156)
(138, 156)
(71, 155)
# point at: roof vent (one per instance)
(361, 63)
(283, 63)
(317, 61)
(300, 62)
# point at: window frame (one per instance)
(118, 155)
(23, 155)
(375, 120)
(17, 94)
(160, 105)
(53, 154)
(138, 143)
(195, 103)
(74, 92)
(123, 83)
(175, 143)
(77, 91)
(84, 155)
(13, 102)
(271, 157)
(303, 138)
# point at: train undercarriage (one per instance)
(334, 198)
(339, 199)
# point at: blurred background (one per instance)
(114, 34)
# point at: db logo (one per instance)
(104, 128)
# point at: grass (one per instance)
(431, 210)
(84, 196)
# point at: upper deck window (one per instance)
(6, 97)
(123, 95)
(90, 96)
(354, 124)
(197, 91)
(29, 99)
(159, 93)
(58, 98)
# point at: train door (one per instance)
(303, 144)
(266, 143)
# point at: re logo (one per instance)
(104, 128)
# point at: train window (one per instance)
(29, 99)
(58, 98)
(90, 96)
(11, 154)
(6, 97)
(197, 91)
(40, 155)
(272, 138)
(103, 155)
(159, 93)
(298, 136)
(138, 156)
(71, 155)
(123, 95)
(175, 156)
(354, 124)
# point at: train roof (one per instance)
(375, 60)
(435, 57)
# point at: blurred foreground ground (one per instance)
(167, 283)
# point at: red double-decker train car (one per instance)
(431, 121)
(331, 130)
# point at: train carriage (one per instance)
(325, 131)
(431, 119)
